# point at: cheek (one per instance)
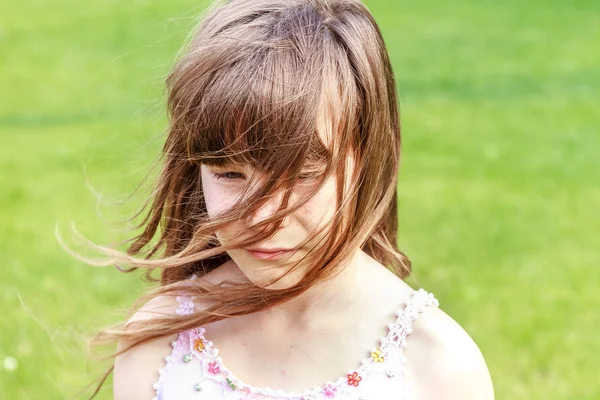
(217, 200)
(320, 209)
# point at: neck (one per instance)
(326, 298)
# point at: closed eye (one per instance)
(310, 174)
(306, 175)
(229, 175)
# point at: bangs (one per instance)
(266, 118)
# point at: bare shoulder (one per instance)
(136, 369)
(444, 362)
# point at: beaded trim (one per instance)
(158, 385)
(215, 371)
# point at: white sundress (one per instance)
(194, 370)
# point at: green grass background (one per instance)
(499, 187)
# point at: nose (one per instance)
(267, 209)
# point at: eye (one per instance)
(305, 175)
(309, 174)
(229, 175)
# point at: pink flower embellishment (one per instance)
(329, 391)
(214, 368)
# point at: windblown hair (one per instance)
(262, 82)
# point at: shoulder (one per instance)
(444, 362)
(136, 369)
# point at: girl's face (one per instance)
(223, 186)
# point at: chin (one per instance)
(262, 273)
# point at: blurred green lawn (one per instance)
(499, 188)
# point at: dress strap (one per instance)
(185, 305)
(403, 325)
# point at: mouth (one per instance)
(270, 254)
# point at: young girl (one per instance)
(274, 225)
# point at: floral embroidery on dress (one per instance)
(354, 379)
(376, 356)
(329, 391)
(199, 345)
(214, 368)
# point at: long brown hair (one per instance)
(262, 82)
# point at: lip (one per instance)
(269, 254)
